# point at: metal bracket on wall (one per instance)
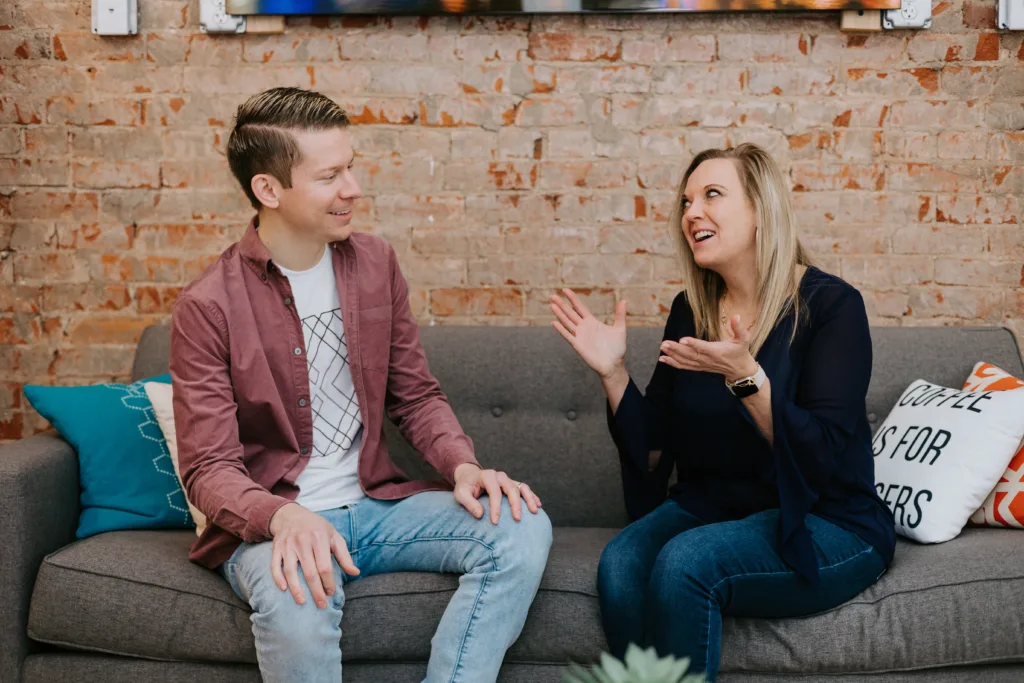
(911, 14)
(214, 18)
(1011, 15)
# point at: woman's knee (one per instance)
(621, 567)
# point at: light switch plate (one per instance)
(115, 17)
(911, 14)
(1011, 15)
(214, 18)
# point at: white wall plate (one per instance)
(911, 14)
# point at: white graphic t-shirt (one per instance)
(330, 478)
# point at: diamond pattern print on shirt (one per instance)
(336, 420)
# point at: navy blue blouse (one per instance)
(821, 462)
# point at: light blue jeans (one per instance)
(501, 568)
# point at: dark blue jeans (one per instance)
(667, 579)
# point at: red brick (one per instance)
(197, 173)
(790, 81)
(557, 239)
(561, 175)
(156, 299)
(26, 329)
(815, 175)
(964, 209)
(412, 210)
(22, 110)
(85, 48)
(636, 238)
(91, 296)
(21, 299)
(762, 47)
(613, 269)
(688, 79)
(499, 175)
(501, 271)
(926, 178)
(920, 82)
(288, 47)
(47, 142)
(936, 114)
(42, 79)
(93, 361)
(43, 204)
(50, 266)
(977, 272)
(191, 237)
(34, 172)
(971, 81)
(455, 240)
(653, 49)
(120, 174)
(427, 270)
(844, 239)
(541, 112)
(19, 45)
(477, 302)
(95, 236)
(12, 427)
(512, 209)
(566, 47)
(135, 269)
(205, 49)
(599, 300)
(109, 329)
(609, 79)
(80, 111)
(938, 240)
(884, 272)
(384, 46)
(967, 303)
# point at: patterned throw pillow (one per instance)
(162, 398)
(124, 468)
(1004, 507)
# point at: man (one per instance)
(285, 355)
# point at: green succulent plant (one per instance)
(640, 666)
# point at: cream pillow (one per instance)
(940, 452)
(162, 398)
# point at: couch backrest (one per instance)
(535, 410)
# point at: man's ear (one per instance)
(267, 190)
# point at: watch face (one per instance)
(745, 388)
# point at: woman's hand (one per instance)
(730, 357)
(602, 347)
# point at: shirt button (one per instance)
(287, 301)
(571, 415)
(263, 276)
(302, 403)
(496, 411)
(297, 351)
(304, 450)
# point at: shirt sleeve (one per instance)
(206, 421)
(812, 431)
(639, 427)
(414, 400)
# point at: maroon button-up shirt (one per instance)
(238, 367)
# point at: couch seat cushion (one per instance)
(135, 593)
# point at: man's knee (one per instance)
(524, 544)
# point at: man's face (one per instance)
(320, 201)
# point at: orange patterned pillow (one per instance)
(1004, 507)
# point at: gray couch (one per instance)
(128, 606)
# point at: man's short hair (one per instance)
(261, 140)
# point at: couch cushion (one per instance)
(535, 410)
(135, 593)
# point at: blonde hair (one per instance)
(778, 248)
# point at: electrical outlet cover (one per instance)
(214, 18)
(1011, 15)
(115, 17)
(911, 14)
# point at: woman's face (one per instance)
(719, 222)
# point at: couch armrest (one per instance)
(39, 513)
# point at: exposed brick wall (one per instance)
(503, 157)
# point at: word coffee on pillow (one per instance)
(940, 452)
(1004, 506)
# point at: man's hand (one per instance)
(306, 538)
(471, 482)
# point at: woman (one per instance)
(758, 400)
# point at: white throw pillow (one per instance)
(939, 453)
(162, 397)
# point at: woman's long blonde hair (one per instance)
(778, 248)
